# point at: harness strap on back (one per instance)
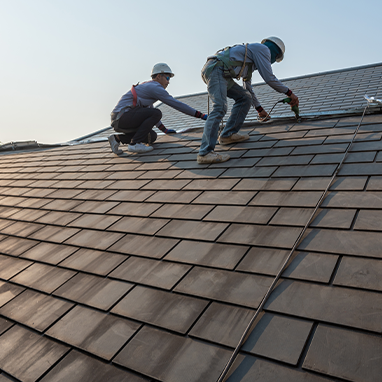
(134, 93)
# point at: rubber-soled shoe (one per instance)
(234, 138)
(114, 144)
(212, 157)
(139, 148)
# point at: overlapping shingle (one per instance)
(150, 267)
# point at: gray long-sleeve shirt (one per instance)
(259, 56)
(147, 94)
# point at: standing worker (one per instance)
(238, 61)
(135, 115)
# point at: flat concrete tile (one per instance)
(349, 183)
(208, 254)
(292, 216)
(161, 274)
(268, 152)
(26, 355)
(267, 236)
(286, 199)
(94, 291)
(94, 207)
(211, 184)
(285, 161)
(146, 226)
(91, 261)
(173, 184)
(174, 196)
(237, 214)
(78, 367)
(225, 286)
(304, 266)
(94, 221)
(222, 324)
(21, 229)
(321, 149)
(4, 325)
(160, 308)
(16, 246)
(342, 306)
(28, 214)
(360, 273)
(266, 184)
(49, 253)
(128, 184)
(135, 209)
(369, 220)
(305, 171)
(225, 197)
(341, 353)
(43, 277)
(361, 169)
(248, 368)
(353, 200)
(154, 247)
(182, 211)
(60, 204)
(253, 172)
(334, 218)
(343, 242)
(54, 234)
(169, 357)
(375, 183)
(10, 266)
(278, 337)
(193, 230)
(59, 218)
(94, 239)
(94, 332)
(8, 292)
(35, 310)
(132, 196)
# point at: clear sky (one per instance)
(66, 63)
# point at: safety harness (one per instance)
(115, 120)
(222, 59)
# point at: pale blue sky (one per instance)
(65, 63)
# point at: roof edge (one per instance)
(298, 77)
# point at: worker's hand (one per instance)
(198, 114)
(170, 131)
(263, 116)
(294, 100)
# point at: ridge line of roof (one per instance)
(297, 77)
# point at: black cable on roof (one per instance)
(288, 260)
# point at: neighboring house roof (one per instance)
(149, 267)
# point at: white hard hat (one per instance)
(162, 68)
(279, 43)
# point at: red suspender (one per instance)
(133, 91)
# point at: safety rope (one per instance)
(230, 362)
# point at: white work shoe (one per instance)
(114, 144)
(234, 138)
(140, 148)
(212, 157)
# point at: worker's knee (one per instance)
(220, 110)
(157, 114)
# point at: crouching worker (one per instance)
(236, 62)
(135, 116)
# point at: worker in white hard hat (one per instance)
(135, 116)
(236, 62)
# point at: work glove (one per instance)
(166, 131)
(198, 114)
